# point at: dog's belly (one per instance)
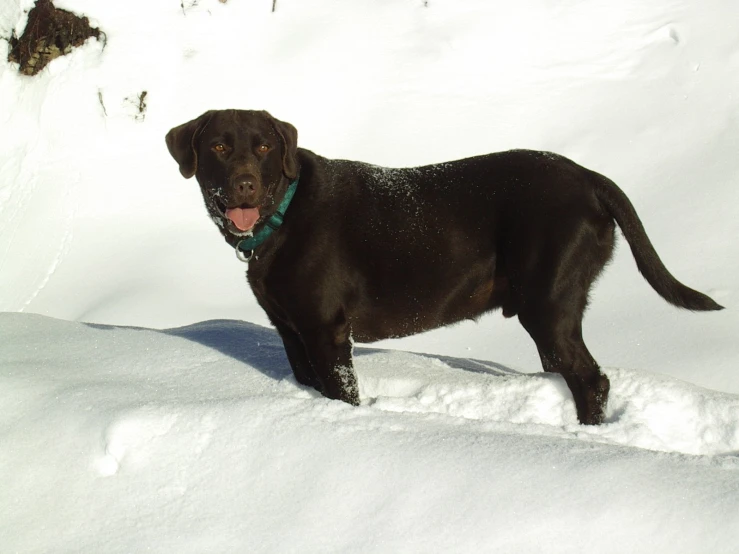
(396, 316)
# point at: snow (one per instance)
(146, 405)
(199, 439)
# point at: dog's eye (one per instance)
(218, 148)
(263, 148)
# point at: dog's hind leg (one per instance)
(556, 330)
(552, 301)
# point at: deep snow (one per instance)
(189, 434)
(198, 439)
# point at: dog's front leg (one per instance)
(330, 352)
(298, 358)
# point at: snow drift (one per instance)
(199, 439)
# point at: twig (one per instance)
(100, 98)
(142, 103)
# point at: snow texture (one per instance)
(146, 406)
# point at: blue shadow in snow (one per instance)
(261, 347)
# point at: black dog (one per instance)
(368, 253)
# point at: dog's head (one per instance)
(243, 161)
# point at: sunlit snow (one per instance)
(145, 404)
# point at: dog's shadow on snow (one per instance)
(249, 343)
(254, 345)
(261, 347)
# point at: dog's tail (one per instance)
(647, 259)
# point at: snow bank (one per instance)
(198, 439)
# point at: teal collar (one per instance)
(245, 248)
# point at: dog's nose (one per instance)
(245, 184)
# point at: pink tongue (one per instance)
(243, 218)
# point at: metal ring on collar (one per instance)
(244, 256)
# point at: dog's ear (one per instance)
(289, 137)
(182, 144)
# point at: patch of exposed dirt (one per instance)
(50, 33)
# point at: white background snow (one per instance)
(145, 405)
